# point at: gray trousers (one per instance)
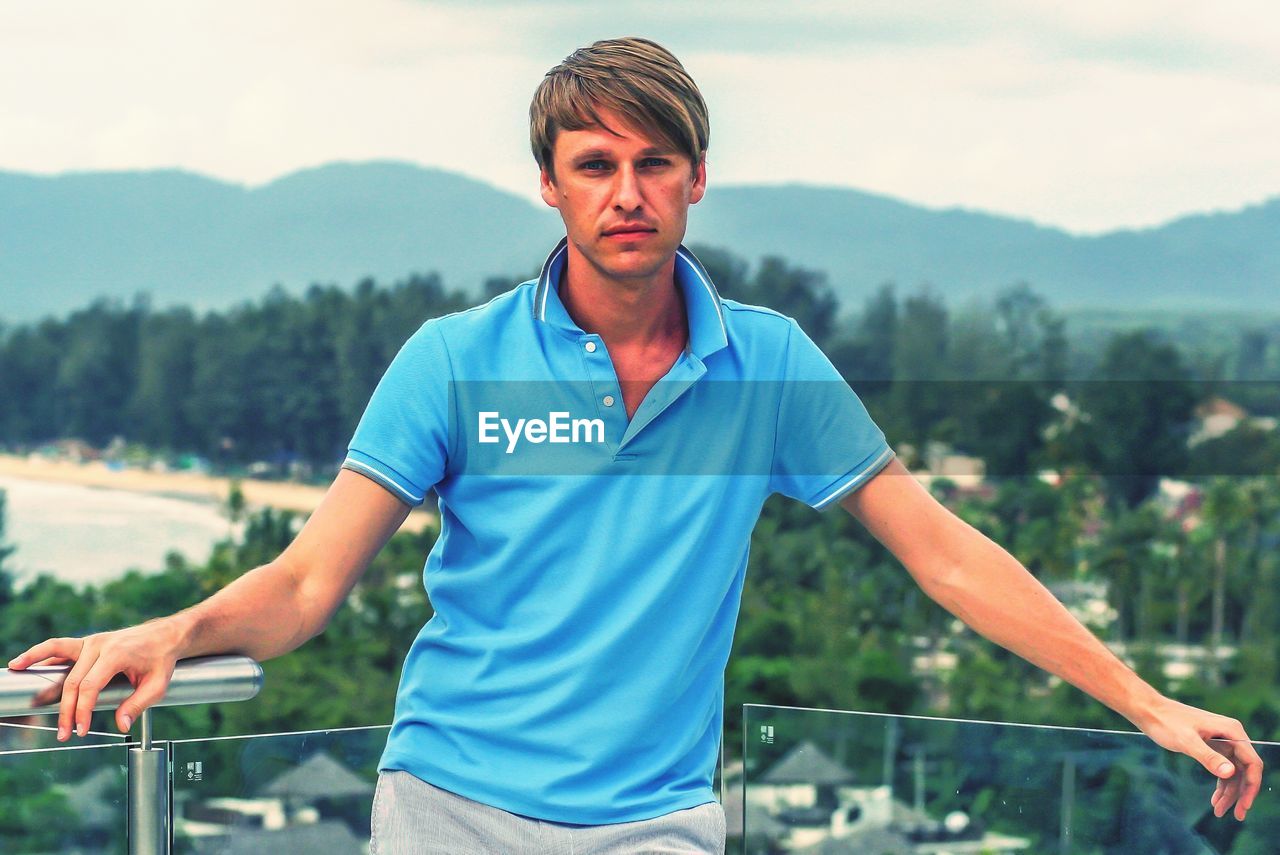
(412, 816)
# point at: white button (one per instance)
(590, 346)
(608, 400)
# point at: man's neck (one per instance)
(627, 313)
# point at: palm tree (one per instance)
(1258, 622)
(1224, 514)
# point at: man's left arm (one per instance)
(983, 585)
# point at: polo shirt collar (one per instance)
(707, 331)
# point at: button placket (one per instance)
(685, 372)
(604, 383)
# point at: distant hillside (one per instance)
(1219, 261)
(185, 238)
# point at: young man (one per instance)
(601, 440)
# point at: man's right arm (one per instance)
(266, 612)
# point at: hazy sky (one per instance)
(1090, 116)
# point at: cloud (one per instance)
(1084, 115)
(1231, 34)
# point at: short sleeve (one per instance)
(826, 444)
(402, 440)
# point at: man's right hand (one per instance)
(268, 611)
(146, 654)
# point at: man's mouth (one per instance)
(629, 230)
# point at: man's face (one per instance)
(624, 199)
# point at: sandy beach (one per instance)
(203, 488)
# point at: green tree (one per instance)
(6, 578)
(1244, 450)
(823, 620)
(866, 353)
(1258, 578)
(28, 372)
(799, 293)
(32, 820)
(163, 377)
(728, 271)
(1123, 557)
(1008, 364)
(920, 396)
(1138, 404)
(96, 369)
(794, 291)
(220, 384)
(1040, 524)
(1224, 519)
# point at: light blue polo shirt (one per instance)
(588, 573)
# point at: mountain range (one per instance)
(185, 238)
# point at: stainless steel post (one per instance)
(1068, 804)
(148, 795)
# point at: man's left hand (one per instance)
(1216, 742)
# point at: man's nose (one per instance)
(626, 190)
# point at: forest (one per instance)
(1075, 442)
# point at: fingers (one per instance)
(1224, 749)
(1219, 791)
(149, 690)
(1252, 786)
(96, 660)
(1240, 788)
(42, 654)
(90, 687)
(1225, 795)
(1245, 785)
(1217, 764)
(71, 692)
(56, 648)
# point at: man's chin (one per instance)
(637, 268)
(633, 262)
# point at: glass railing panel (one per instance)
(71, 799)
(292, 792)
(819, 781)
(27, 737)
(279, 792)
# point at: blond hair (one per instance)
(638, 79)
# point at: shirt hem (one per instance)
(533, 810)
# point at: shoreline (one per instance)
(187, 486)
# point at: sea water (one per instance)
(91, 535)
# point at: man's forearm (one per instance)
(993, 593)
(260, 615)
(988, 589)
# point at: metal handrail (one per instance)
(202, 680)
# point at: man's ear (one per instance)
(699, 182)
(547, 187)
